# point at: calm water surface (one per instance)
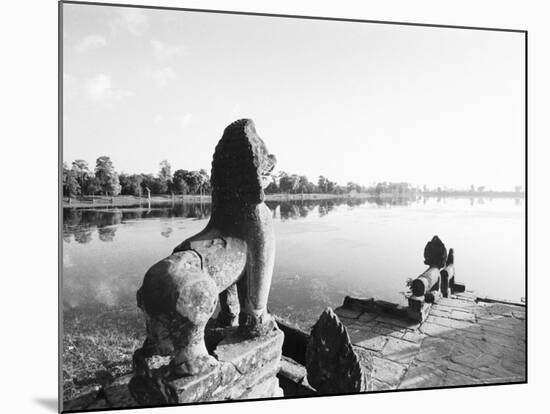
(325, 249)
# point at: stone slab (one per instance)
(375, 343)
(400, 351)
(388, 372)
(462, 341)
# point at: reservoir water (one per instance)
(326, 249)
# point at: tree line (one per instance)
(300, 184)
(80, 179)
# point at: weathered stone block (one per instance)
(347, 313)
(415, 303)
(457, 287)
(200, 387)
(247, 368)
(367, 317)
(267, 389)
(418, 308)
(249, 355)
(292, 370)
(356, 304)
(242, 385)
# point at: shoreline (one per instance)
(143, 202)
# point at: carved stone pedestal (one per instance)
(247, 369)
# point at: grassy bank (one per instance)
(98, 346)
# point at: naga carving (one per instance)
(333, 365)
(230, 261)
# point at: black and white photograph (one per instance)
(259, 207)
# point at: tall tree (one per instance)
(155, 184)
(288, 183)
(71, 187)
(92, 185)
(107, 176)
(193, 180)
(82, 174)
(322, 184)
(205, 187)
(179, 183)
(165, 176)
(130, 184)
(165, 170)
(303, 184)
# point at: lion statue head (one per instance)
(240, 166)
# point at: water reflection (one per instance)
(106, 234)
(299, 209)
(83, 235)
(80, 224)
(166, 231)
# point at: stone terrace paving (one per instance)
(463, 341)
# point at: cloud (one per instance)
(90, 42)
(100, 88)
(131, 20)
(185, 119)
(162, 50)
(162, 77)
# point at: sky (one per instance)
(357, 102)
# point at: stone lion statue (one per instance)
(231, 260)
(435, 253)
